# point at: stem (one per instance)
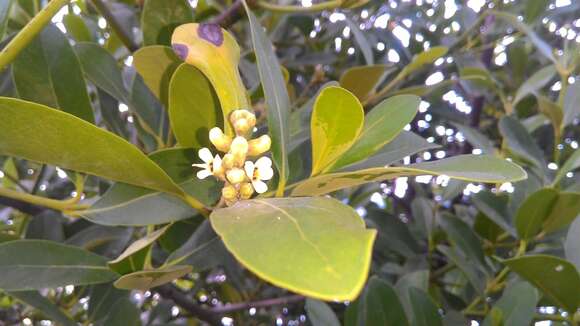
(123, 35)
(292, 9)
(29, 32)
(257, 304)
(36, 200)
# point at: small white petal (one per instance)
(201, 166)
(202, 174)
(263, 162)
(217, 163)
(205, 155)
(260, 186)
(249, 168)
(265, 173)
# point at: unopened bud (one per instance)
(236, 175)
(259, 145)
(246, 190)
(220, 140)
(242, 127)
(229, 192)
(228, 161)
(239, 150)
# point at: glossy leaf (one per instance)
(122, 313)
(476, 138)
(133, 258)
(405, 144)
(216, 54)
(425, 312)
(36, 300)
(38, 264)
(571, 107)
(555, 277)
(534, 212)
(424, 58)
(469, 266)
(202, 250)
(333, 245)
(538, 80)
(156, 64)
(520, 142)
(160, 17)
(363, 80)
(77, 28)
(464, 238)
(572, 243)
(480, 168)
(382, 124)
(102, 299)
(193, 107)
(28, 132)
(379, 305)
(48, 72)
(571, 164)
(337, 120)
(146, 279)
(517, 304)
(362, 42)
(277, 100)
(495, 208)
(320, 314)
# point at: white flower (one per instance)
(211, 166)
(256, 172)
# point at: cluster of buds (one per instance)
(242, 177)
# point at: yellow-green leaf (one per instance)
(216, 53)
(317, 246)
(425, 58)
(481, 168)
(39, 133)
(337, 120)
(382, 124)
(156, 64)
(144, 280)
(363, 80)
(193, 107)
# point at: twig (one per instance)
(169, 291)
(123, 35)
(231, 15)
(29, 32)
(257, 304)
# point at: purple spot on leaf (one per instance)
(211, 33)
(181, 50)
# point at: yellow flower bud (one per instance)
(236, 175)
(243, 121)
(239, 149)
(242, 127)
(229, 192)
(228, 161)
(259, 145)
(246, 190)
(220, 140)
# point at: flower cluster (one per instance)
(242, 177)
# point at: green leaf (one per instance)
(425, 312)
(193, 107)
(555, 277)
(144, 280)
(5, 8)
(552, 111)
(533, 11)
(572, 243)
(520, 142)
(481, 168)
(362, 42)
(418, 278)
(464, 238)
(320, 314)
(77, 28)
(538, 80)
(572, 163)
(276, 95)
(156, 64)
(102, 299)
(382, 124)
(478, 77)
(38, 264)
(160, 17)
(517, 304)
(495, 208)
(133, 258)
(48, 72)
(334, 247)
(28, 131)
(363, 80)
(201, 251)
(49, 309)
(534, 211)
(476, 138)
(337, 120)
(425, 58)
(571, 107)
(122, 313)
(379, 305)
(472, 269)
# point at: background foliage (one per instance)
(494, 77)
